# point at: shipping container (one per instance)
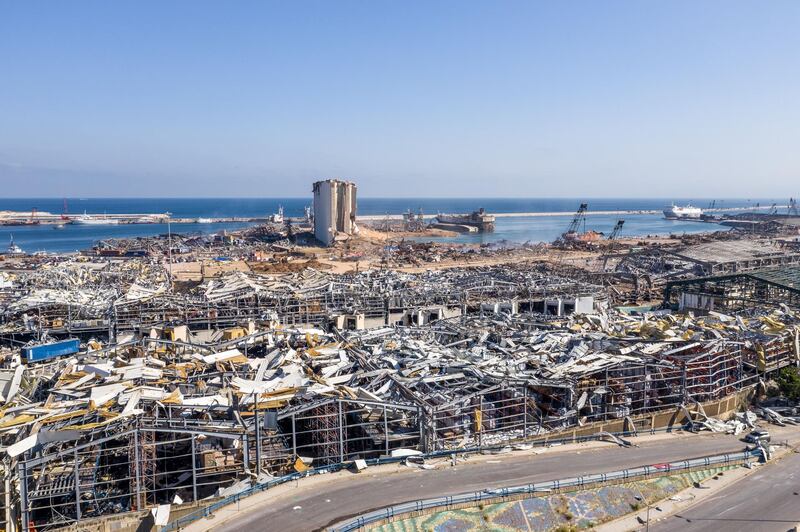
(39, 353)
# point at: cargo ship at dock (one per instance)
(479, 219)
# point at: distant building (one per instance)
(334, 209)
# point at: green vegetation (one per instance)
(788, 380)
(563, 509)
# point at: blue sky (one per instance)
(434, 98)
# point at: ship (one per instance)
(277, 218)
(13, 249)
(205, 221)
(676, 212)
(87, 219)
(479, 219)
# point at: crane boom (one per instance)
(576, 220)
(617, 228)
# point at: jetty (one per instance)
(20, 218)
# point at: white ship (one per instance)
(87, 219)
(14, 249)
(676, 212)
(277, 218)
(205, 221)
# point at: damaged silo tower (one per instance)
(334, 209)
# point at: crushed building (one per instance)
(738, 291)
(116, 297)
(650, 268)
(151, 420)
(180, 393)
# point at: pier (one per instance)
(16, 218)
(378, 217)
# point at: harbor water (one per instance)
(517, 229)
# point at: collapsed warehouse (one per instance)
(184, 394)
(649, 269)
(154, 421)
(735, 292)
(112, 297)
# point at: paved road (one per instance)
(364, 492)
(766, 501)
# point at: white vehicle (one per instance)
(676, 212)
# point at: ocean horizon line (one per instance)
(515, 198)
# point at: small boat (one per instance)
(205, 221)
(58, 226)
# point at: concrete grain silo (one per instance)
(334, 209)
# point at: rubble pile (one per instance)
(178, 391)
(406, 253)
(99, 296)
(167, 416)
(650, 268)
(74, 290)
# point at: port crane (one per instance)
(65, 211)
(793, 207)
(580, 216)
(612, 238)
(574, 225)
(617, 228)
(573, 238)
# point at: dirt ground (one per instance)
(367, 251)
(369, 233)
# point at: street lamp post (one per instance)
(169, 252)
(641, 498)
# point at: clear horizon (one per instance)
(360, 197)
(472, 99)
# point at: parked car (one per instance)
(758, 435)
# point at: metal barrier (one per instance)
(541, 487)
(206, 511)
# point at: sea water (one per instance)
(513, 229)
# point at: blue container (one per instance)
(38, 353)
